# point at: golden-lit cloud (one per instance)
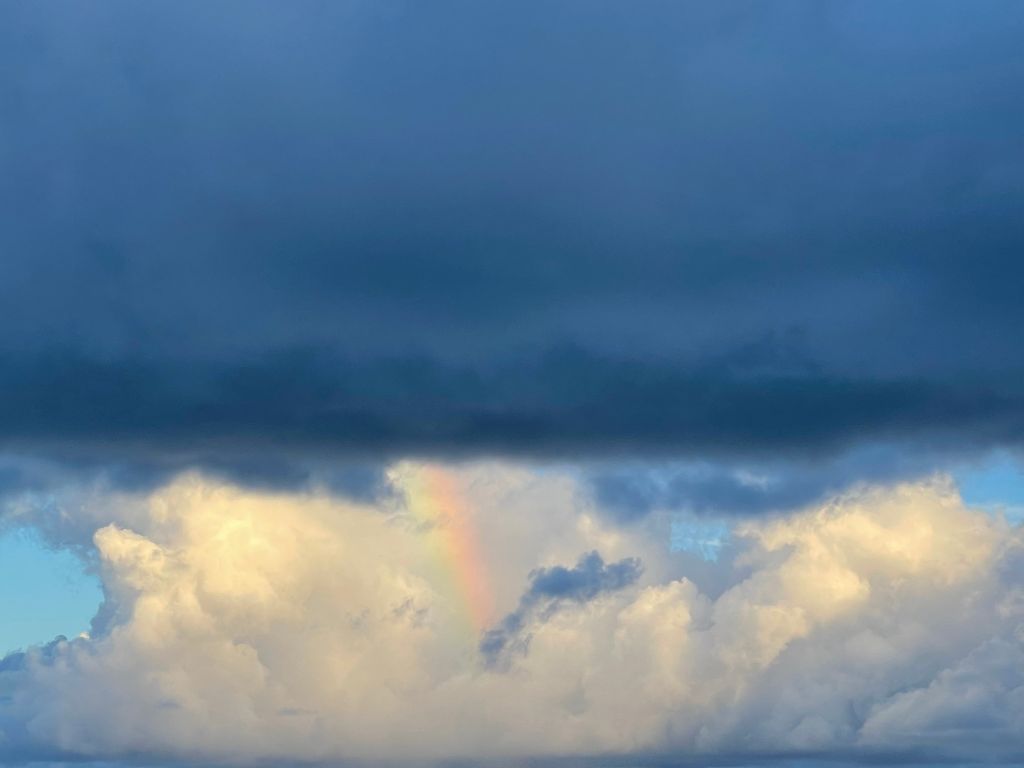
(243, 624)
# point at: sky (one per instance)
(46, 592)
(388, 382)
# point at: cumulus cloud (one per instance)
(245, 624)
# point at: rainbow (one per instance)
(435, 499)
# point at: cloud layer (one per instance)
(701, 228)
(245, 625)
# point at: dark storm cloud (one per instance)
(568, 400)
(383, 228)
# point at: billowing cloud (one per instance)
(247, 625)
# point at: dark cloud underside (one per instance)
(572, 228)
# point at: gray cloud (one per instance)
(629, 491)
(552, 587)
(556, 230)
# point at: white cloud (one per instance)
(267, 625)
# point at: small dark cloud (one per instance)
(585, 581)
(549, 588)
